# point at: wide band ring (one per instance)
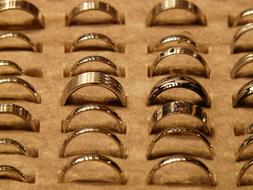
(240, 64)
(244, 92)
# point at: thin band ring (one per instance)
(11, 172)
(93, 6)
(21, 149)
(180, 158)
(180, 131)
(179, 107)
(248, 141)
(94, 79)
(240, 32)
(93, 157)
(178, 81)
(244, 169)
(93, 130)
(93, 107)
(244, 92)
(17, 69)
(177, 51)
(167, 5)
(241, 16)
(241, 63)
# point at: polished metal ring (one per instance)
(241, 63)
(99, 130)
(94, 58)
(167, 5)
(19, 81)
(20, 148)
(93, 107)
(240, 32)
(244, 169)
(243, 146)
(180, 158)
(23, 6)
(110, 44)
(174, 51)
(13, 173)
(10, 64)
(20, 112)
(94, 79)
(244, 92)
(180, 131)
(238, 20)
(88, 6)
(179, 107)
(32, 46)
(178, 81)
(93, 157)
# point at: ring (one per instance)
(93, 130)
(178, 81)
(242, 147)
(244, 169)
(179, 108)
(93, 157)
(174, 51)
(180, 131)
(110, 45)
(242, 94)
(94, 79)
(20, 112)
(31, 46)
(94, 107)
(241, 63)
(238, 20)
(94, 58)
(88, 6)
(19, 81)
(180, 158)
(17, 69)
(24, 6)
(240, 32)
(167, 5)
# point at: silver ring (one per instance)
(174, 51)
(179, 131)
(244, 169)
(93, 157)
(94, 58)
(244, 92)
(109, 43)
(241, 63)
(19, 81)
(94, 107)
(88, 6)
(180, 107)
(167, 5)
(94, 79)
(178, 81)
(93, 130)
(20, 112)
(238, 20)
(17, 69)
(248, 141)
(24, 6)
(240, 32)
(180, 158)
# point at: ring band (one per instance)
(174, 51)
(241, 63)
(94, 79)
(240, 32)
(180, 131)
(110, 45)
(7, 63)
(244, 169)
(19, 81)
(179, 107)
(93, 107)
(238, 20)
(178, 81)
(93, 130)
(24, 6)
(244, 92)
(94, 58)
(243, 146)
(167, 5)
(93, 157)
(88, 6)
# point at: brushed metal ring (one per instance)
(167, 5)
(245, 91)
(243, 170)
(180, 158)
(174, 51)
(26, 85)
(111, 45)
(97, 158)
(240, 64)
(7, 63)
(93, 107)
(94, 79)
(248, 141)
(94, 58)
(178, 81)
(180, 108)
(99, 130)
(240, 32)
(32, 46)
(180, 131)
(88, 6)
(238, 20)
(24, 6)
